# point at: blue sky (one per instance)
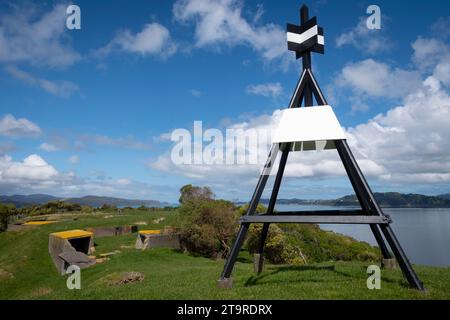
(88, 111)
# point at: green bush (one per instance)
(6, 211)
(243, 209)
(50, 208)
(277, 249)
(319, 245)
(206, 227)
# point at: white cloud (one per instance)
(428, 52)
(74, 159)
(366, 79)
(32, 169)
(48, 147)
(12, 127)
(153, 39)
(410, 141)
(441, 28)
(377, 79)
(266, 90)
(63, 88)
(26, 36)
(431, 54)
(367, 40)
(222, 23)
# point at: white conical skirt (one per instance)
(309, 128)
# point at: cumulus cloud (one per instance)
(360, 81)
(28, 36)
(33, 169)
(15, 128)
(266, 90)
(370, 78)
(428, 52)
(63, 89)
(410, 141)
(369, 41)
(222, 23)
(154, 39)
(433, 55)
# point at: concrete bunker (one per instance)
(113, 231)
(147, 239)
(71, 248)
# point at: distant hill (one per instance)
(29, 200)
(385, 199)
(92, 201)
(445, 196)
(96, 201)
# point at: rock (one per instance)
(126, 247)
(109, 254)
(130, 277)
(5, 274)
(159, 220)
(101, 260)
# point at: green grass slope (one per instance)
(27, 272)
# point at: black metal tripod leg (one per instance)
(229, 264)
(271, 207)
(259, 257)
(362, 191)
(228, 269)
(381, 244)
(367, 200)
(402, 259)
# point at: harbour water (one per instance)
(423, 233)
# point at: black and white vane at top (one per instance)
(308, 37)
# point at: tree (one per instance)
(206, 226)
(190, 193)
(6, 210)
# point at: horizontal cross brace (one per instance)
(322, 213)
(319, 219)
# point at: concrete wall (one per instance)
(112, 231)
(158, 241)
(57, 246)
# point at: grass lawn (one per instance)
(27, 271)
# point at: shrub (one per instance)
(206, 227)
(277, 249)
(319, 245)
(243, 209)
(6, 211)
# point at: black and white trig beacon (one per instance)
(308, 37)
